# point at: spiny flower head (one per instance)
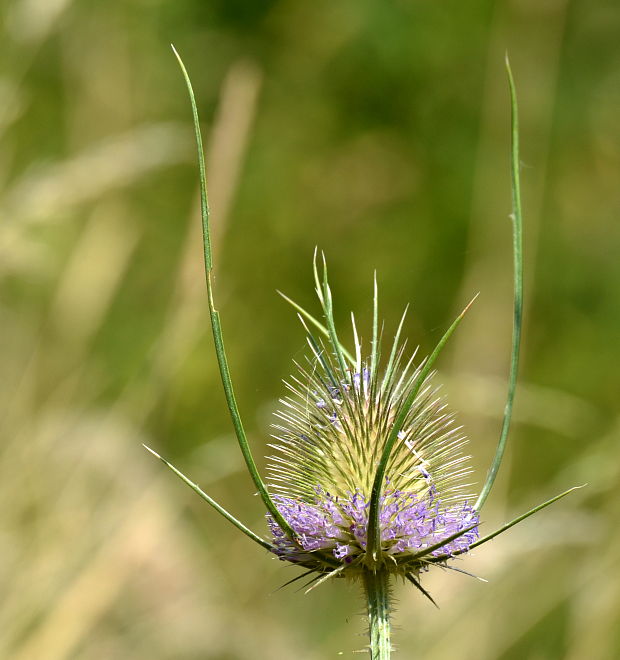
(332, 431)
(368, 478)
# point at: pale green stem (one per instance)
(377, 590)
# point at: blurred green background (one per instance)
(377, 130)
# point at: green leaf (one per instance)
(517, 248)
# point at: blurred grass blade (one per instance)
(221, 510)
(517, 247)
(374, 530)
(316, 323)
(216, 325)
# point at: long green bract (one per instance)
(517, 243)
(522, 517)
(220, 509)
(374, 530)
(508, 525)
(216, 325)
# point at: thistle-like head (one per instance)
(334, 426)
(369, 476)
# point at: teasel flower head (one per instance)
(332, 430)
(369, 478)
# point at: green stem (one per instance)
(377, 589)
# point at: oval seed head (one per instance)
(332, 429)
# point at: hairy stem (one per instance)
(376, 587)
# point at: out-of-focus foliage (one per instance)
(379, 132)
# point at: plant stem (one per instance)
(376, 587)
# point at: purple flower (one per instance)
(409, 523)
(333, 427)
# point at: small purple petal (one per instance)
(408, 523)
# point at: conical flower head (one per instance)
(332, 430)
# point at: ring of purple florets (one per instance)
(338, 525)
